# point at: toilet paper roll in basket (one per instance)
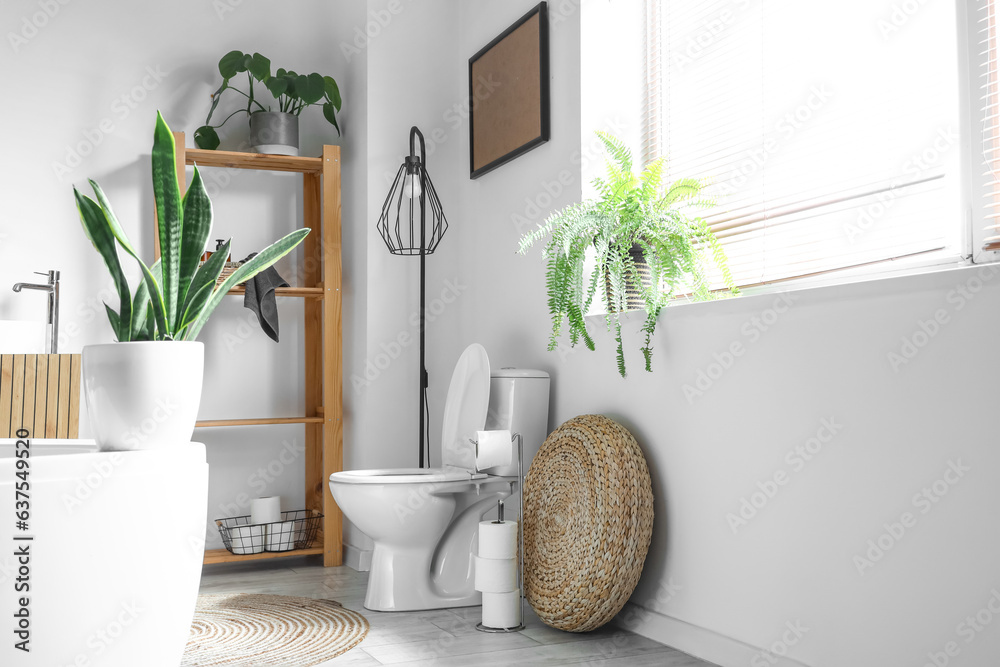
(265, 510)
(493, 448)
(246, 540)
(281, 536)
(496, 575)
(498, 540)
(502, 610)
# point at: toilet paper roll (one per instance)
(281, 536)
(498, 540)
(502, 610)
(496, 575)
(265, 510)
(247, 539)
(494, 449)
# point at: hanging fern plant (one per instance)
(646, 245)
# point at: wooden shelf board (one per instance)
(207, 423)
(214, 556)
(235, 160)
(313, 292)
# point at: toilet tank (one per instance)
(519, 402)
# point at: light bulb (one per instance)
(411, 186)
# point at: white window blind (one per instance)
(987, 47)
(828, 131)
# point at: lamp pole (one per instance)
(414, 163)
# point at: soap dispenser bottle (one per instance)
(218, 246)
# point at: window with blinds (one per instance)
(987, 53)
(828, 132)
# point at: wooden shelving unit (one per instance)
(323, 420)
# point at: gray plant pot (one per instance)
(274, 132)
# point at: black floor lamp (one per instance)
(413, 202)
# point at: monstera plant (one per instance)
(144, 390)
(647, 247)
(292, 93)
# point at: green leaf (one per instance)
(198, 301)
(310, 89)
(151, 283)
(330, 115)
(232, 64)
(681, 189)
(260, 67)
(169, 214)
(206, 137)
(332, 91)
(248, 269)
(277, 85)
(116, 323)
(141, 311)
(197, 229)
(148, 331)
(207, 274)
(98, 229)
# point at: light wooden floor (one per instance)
(444, 637)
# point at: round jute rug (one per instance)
(246, 630)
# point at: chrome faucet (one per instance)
(52, 287)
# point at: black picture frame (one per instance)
(507, 142)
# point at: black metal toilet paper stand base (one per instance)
(520, 544)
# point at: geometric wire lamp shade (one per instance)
(401, 221)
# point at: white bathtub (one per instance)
(115, 560)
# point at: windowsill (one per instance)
(902, 269)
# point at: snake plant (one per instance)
(176, 296)
(631, 210)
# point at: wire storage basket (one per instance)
(296, 530)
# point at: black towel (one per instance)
(259, 298)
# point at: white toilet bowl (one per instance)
(425, 522)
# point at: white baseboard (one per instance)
(697, 641)
(357, 558)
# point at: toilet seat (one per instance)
(405, 475)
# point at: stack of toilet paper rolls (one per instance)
(265, 514)
(496, 574)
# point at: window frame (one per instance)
(971, 217)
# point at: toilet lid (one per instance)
(466, 407)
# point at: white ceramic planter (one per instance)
(143, 395)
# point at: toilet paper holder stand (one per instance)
(520, 539)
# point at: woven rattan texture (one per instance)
(588, 519)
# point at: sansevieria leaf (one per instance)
(97, 229)
(169, 214)
(140, 303)
(194, 236)
(201, 287)
(152, 283)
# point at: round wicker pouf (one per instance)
(588, 519)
